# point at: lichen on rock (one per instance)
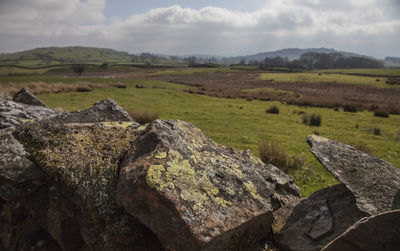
(208, 195)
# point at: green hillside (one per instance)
(68, 55)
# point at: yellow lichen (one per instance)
(194, 187)
(117, 124)
(157, 179)
(249, 187)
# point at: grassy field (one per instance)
(242, 124)
(311, 77)
(371, 72)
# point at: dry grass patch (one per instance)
(143, 117)
(272, 153)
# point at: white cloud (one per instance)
(357, 25)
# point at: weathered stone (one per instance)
(83, 160)
(315, 221)
(197, 195)
(374, 182)
(19, 177)
(13, 114)
(105, 110)
(378, 232)
(26, 97)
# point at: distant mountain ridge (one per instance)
(291, 53)
(48, 56)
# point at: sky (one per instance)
(207, 27)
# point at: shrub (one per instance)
(350, 108)
(273, 110)
(84, 88)
(139, 86)
(312, 120)
(377, 131)
(119, 85)
(249, 99)
(143, 117)
(380, 113)
(271, 153)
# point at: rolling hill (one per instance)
(64, 55)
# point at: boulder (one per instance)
(313, 222)
(105, 110)
(26, 97)
(197, 195)
(77, 204)
(378, 232)
(374, 182)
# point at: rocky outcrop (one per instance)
(374, 182)
(26, 97)
(378, 232)
(210, 197)
(97, 180)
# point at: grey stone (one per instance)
(26, 97)
(105, 110)
(316, 220)
(379, 232)
(375, 183)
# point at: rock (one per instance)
(378, 232)
(19, 177)
(13, 114)
(77, 204)
(26, 97)
(374, 182)
(197, 195)
(313, 222)
(105, 110)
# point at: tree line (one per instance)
(315, 61)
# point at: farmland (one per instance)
(229, 105)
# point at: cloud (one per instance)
(359, 25)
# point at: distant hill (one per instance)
(64, 55)
(291, 53)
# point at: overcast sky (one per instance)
(213, 27)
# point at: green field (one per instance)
(311, 77)
(370, 72)
(242, 124)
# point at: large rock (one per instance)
(105, 110)
(78, 206)
(13, 114)
(197, 195)
(26, 97)
(374, 182)
(378, 232)
(313, 222)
